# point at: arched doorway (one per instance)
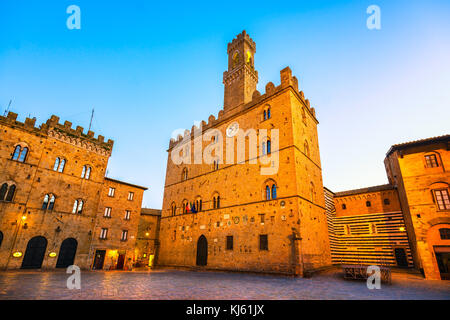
(202, 251)
(34, 255)
(1, 239)
(67, 253)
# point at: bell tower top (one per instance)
(241, 78)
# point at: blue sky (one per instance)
(149, 68)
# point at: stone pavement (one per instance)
(181, 285)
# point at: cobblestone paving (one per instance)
(175, 284)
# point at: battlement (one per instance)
(243, 36)
(287, 80)
(52, 128)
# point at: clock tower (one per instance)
(241, 78)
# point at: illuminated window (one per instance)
(107, 213)
(103, 233)
(127, 215)
(124, 235)
(445, 233)
(263, 242)
(130, 195)
(49, 202)
(78, 206)
(431, 161)
(442, 199)
(111, 192)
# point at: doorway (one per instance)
(443, 260)
(202, 251)
(400, 257)
(120, 261)
(67, 253)
(34, 254)
(99, 259)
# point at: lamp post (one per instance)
(16, 233)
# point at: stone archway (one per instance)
(34, 255)
(67, 253)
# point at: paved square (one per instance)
(175, 284)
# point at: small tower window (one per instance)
(344, 206)
(368, 204)
(386, 201)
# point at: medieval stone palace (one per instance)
(230, 215)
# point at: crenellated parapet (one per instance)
(236, 42)
(287, 80)
(63, 132)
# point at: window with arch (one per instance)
(267, 113)
(7, 191)
(216, 165)
(444, 233)
(216, 201)
(442, 199)
(78, 206)
(86, 172)
(59, 165)
(306, 148)
(20, 153)
(431, 161)
(49, 202)
(266, 147)
(184, 174)
(270, 190)
(198, 204)
(185, 206)
(173, 209)
(269, 146)
(312, 191)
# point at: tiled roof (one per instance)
(444, 138)
(364, 190)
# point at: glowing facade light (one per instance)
(402, 229)
(17, 254)
(24, 217)
(52, 254)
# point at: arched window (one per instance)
(45, 203)
(23, 155)
(174, 208)
(56, 165)
(51, 204)
(263, 146)
(16, 152)
(60, 163)
(185, 206)
(20, 153)
(274, 191)
(216, 165)
(184, 174)
(214, 202)
(78, 206)
(265, 115)
(86, 172)
(267, 192)
(3, 190)
(218, 202)
(306, 148)
(10, 194)
(269, 147)
(268, 114)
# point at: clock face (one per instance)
(232, 129)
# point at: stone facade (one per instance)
(237, 224)
(419, 171)
(52, 187)
(147, 241)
